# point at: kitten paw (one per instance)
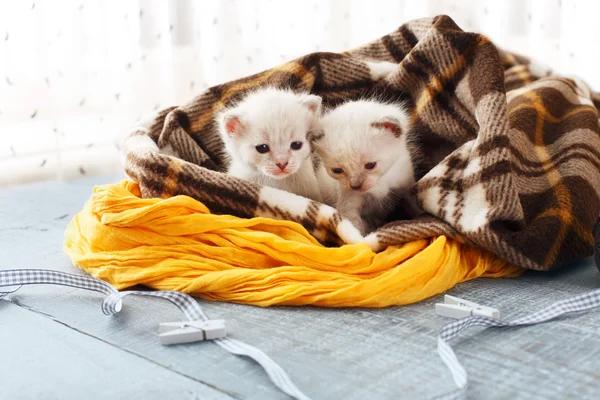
(348, 232)
(359, 224)
(372, 241)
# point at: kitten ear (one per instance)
(232, 124)
(313, 103)
(389, 124)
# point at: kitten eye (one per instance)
(370, 165)
(337, 170)
(296, 145)
(262, 148)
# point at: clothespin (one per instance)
(454, 307)
(190, 331)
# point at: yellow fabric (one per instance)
(176, 244)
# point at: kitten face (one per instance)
(268, 131)
(361, 140)
(276, 150)
(359, 168)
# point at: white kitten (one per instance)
(266, 135)
(364, 147)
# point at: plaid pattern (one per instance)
(193, 311)
(508, 157)
(187, 305)
(112, 305)
(18, 277)
(582, 302)
(597, 244)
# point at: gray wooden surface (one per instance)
(55, 343)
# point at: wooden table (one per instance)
(55, 343)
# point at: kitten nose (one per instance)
(282, 165)
(356, 182)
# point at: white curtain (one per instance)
(74, 75)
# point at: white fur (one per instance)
(348, 232)
(277, 118)
(328, 186)
(350, 141)
(372, 241)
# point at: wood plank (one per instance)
(42, 359)
(329, 353)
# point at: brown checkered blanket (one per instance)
(510, 155)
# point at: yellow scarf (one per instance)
(177, 244)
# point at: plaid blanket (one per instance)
(509, 155)
(597, 244)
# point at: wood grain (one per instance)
(64, 343)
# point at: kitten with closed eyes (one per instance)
(267, 138)
(364, 147)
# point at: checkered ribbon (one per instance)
(582, 302)
(112, 304)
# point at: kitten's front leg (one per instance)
(349, 205)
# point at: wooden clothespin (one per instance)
(455, 307)
(190, 331)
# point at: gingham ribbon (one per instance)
(112, 304)
(582, 302)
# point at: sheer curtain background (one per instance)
(74, 75)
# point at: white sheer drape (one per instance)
(75, 74)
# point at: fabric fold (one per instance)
(177, 244)
(507, 152)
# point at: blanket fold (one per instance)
(509, 155)
(177, 244)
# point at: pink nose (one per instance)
(282, 165)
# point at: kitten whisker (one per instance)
(362, 132)
(261, 130)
